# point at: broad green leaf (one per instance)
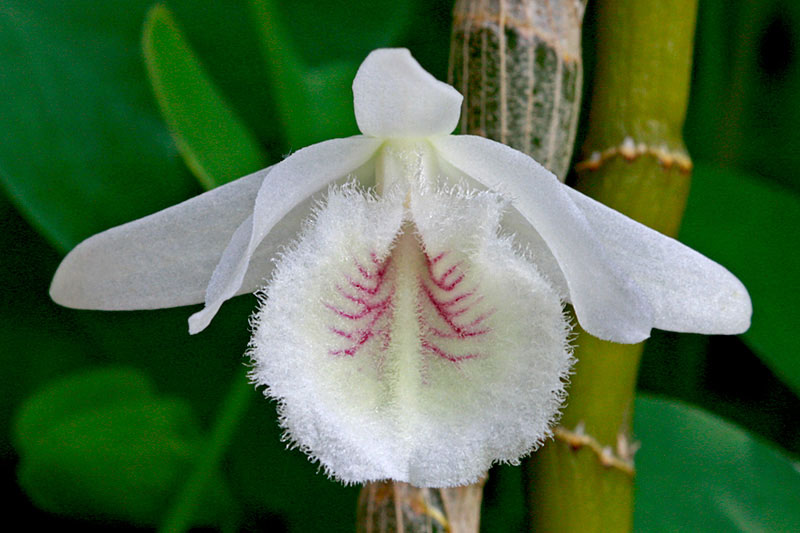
(744, 108)
(215, 144)
(103, 444)
(696, 472)
(751, 227)
(323, 31)
(314, 104)
(223, 37)
(82, 146)
(73, 397)
(503, 505)
(313, 49)
(329, 92)
(40, 340)
(297, 488)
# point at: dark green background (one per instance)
(83, 147)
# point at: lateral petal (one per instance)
(607, 304)
(291, 181)
(688, 291)
(525, 235)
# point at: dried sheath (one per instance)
(393, 507)
(518, 65)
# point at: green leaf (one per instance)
(313, 49)
(314, 105)
(323, 31)
(223, 36)
(503, 506)
(294, 481)
(40, 341)
(751, 227)
(696, 472)
(330, 96)
(82, 146)
(103, 444)
(215, 144)
(744, 109)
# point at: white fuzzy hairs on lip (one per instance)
(411, 343)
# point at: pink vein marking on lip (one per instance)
(361, 336)
(372, 291)
(448, 315)
(457, 335)
(460, 297)
(380, 271)
(369, 305)
(441, 281)
(355, 316)
(378, 274)
(447, 311)
(364, 336)
(444, 355)
(366, 305)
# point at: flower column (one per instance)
(633, 160)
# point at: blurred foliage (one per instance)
(120, 448)
(696, 472)
(213, 141)
(745, 223)
(744, 109)
(83, 147)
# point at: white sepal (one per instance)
(394, 98)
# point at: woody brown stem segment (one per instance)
(388, 507)
(634, 161)
(518, 65)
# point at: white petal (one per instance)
(162, 260)
(405, 163)
(291, 181)
(417, 357)
(525, 235)
(395, 97)
(607, 304)
(688, 291)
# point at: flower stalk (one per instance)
(634, 161)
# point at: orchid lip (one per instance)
(408, 311)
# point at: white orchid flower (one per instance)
(415, 330)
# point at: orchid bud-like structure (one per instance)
(412, 284)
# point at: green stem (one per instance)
(231, 412)
(634, 160)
